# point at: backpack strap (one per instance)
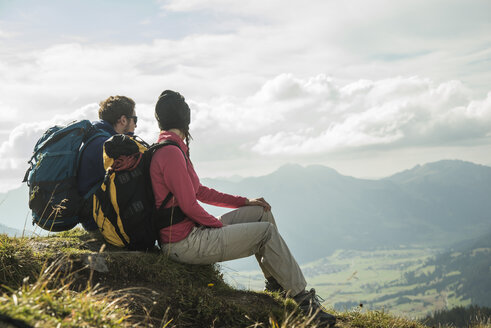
(165, 217)
(153, 148)
(91, 134)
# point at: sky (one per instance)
(368, 88)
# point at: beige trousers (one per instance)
(248, 230)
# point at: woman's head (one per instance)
(172, 111)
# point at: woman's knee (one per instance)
(258, 212)
(267, 216)
(268, 230)
(254, 213)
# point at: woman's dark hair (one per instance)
(187, 139)
(114, 107)
(172, 112)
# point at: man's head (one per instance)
(120, 112)
(172, 111)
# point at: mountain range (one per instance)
(14, 211)
(9, 231)
(319, 210)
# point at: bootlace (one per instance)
(317, 300)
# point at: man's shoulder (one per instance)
(102, 126)
(95, 146)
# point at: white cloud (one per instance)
(353, 39)
(349, 40)
(17, 149)
(279, 78)
(394, 112)
(3, 34)
(290, 117)
(356, 23)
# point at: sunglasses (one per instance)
(135, 118)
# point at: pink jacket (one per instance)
(170, 172)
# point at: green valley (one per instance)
(411, 281)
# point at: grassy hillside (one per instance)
(72, 280)
(142, 288)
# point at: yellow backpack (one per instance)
(124, 205)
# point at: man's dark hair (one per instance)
(114, 107)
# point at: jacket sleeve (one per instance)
(216, 198)
(179, 183)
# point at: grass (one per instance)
(375, 319)
(55, 282)
(160, 288)
(17, 261)
(43, 306)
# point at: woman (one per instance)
(197, 237)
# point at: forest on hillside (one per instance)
(460, 274)
(459, 317)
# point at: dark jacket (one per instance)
(91, 167)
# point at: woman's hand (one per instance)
(259, 202)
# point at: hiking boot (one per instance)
(272, 285)
(310, 304)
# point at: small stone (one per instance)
(96, 262)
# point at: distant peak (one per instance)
(290, 167)
(446, 164)
(318, 167)
(443, 168)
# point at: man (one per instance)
(117, 116)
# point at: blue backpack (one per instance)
(52, 176)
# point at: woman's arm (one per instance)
(213, 197)
(176, 178)
(216, 198)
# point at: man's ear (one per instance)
(123, 119)
(120, 123)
